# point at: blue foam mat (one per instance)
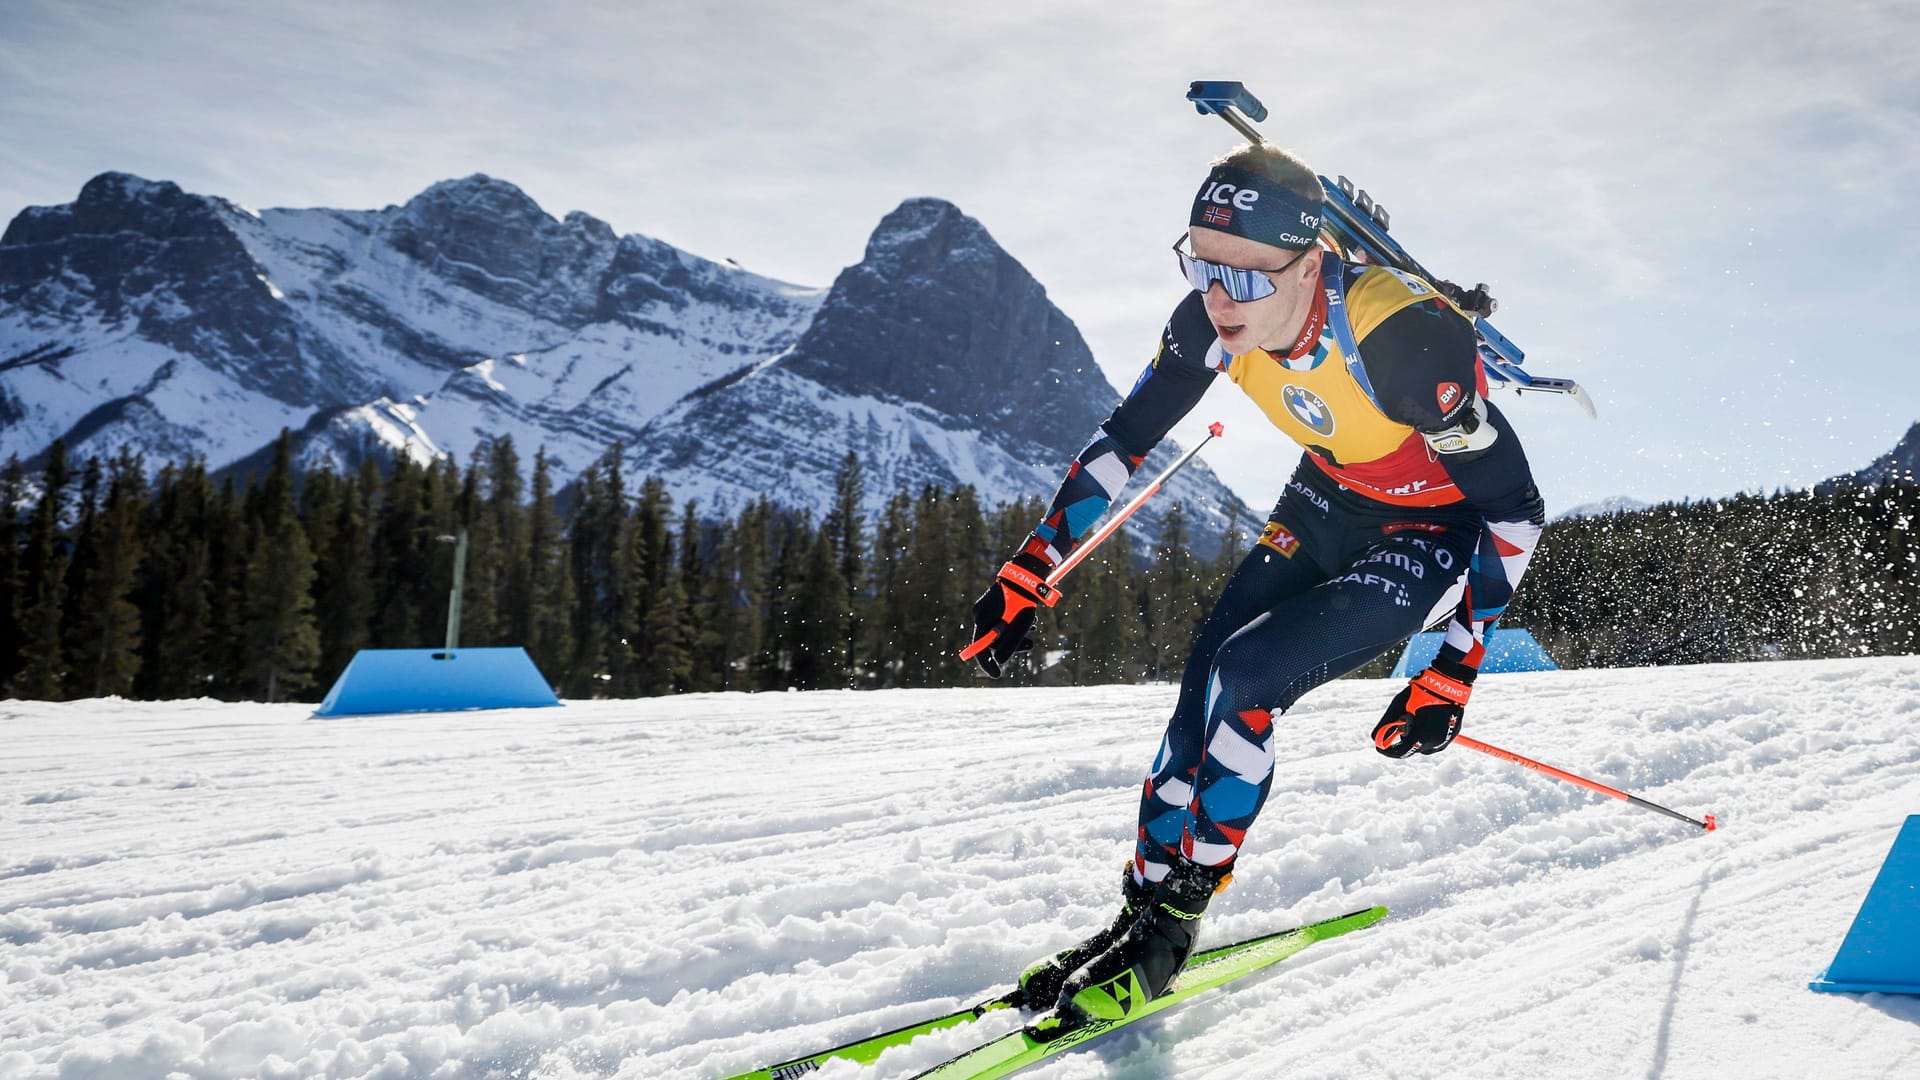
(437, 680)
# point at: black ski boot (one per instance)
(1042, 981)
(1138, 967)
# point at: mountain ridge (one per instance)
(180, 324)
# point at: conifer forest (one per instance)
(117, 580)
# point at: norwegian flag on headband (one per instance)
(1218, 215)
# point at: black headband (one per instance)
(1246, 204)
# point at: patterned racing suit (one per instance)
(1413, 502)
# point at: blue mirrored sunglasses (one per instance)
(1242, 286)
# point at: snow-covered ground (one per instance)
(692, 887)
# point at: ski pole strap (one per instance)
(979, 644)
(1443, 687)
(1015, 574)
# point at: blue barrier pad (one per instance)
(1507, 650)
(437, 680)
(1881, 953)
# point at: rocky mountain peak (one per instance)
(113, 203)
(922, 233)
(489, 236)
(140, 253)
(938, 312)
(478, 203)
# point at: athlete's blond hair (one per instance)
(1283, 167)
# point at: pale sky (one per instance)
(1704, 212)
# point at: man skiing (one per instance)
(1413, 499)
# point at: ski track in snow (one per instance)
(692, 887)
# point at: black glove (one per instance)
(1006, 612)
(1425, 716)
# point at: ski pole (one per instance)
(1591, 785)
(1049, 592)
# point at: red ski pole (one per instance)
(1049, 591)
(1591, 785)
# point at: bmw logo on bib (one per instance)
(1306, 407)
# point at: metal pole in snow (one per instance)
(459, 586)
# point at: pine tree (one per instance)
(926, 555)
(649, 570)
(603, 615)
(705, 594)
(976, 556)
(1172, 607)
(790, 537)
(1100, 620)
(343, 581)
(739, 619)
(842, 528)
(105, 649)
(230, 536)
(819, 619)
(549, 638)
(13, 487)
(666, 665)
(43, 667)
(945, 556)
(175, 593)
(888, 612)
(83, 555)
(400, 567)
(513, 592)
(281, 643)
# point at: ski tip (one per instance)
(1356, 920)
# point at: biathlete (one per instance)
(1413, 499)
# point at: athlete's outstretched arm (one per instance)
(1166, 391)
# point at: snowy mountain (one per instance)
(1900, 463)
(688, 888)
(180, 324)
(1615, 504)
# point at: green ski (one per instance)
(867, 1050)
(1048, 1036)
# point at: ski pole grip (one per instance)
(1032, 586)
